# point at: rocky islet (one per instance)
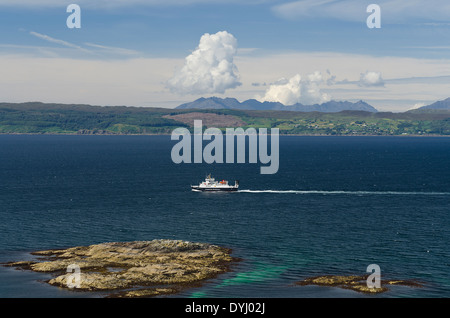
(133, 269)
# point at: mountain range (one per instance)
(253, 104)
(328, 107)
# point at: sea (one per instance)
(336, 205)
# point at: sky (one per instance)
(162, 53)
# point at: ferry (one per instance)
(210, 184)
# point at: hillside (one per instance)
(40, 118)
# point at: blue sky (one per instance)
(305, 51)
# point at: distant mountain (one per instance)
(439, 105)
(211, 103)
(253, 104)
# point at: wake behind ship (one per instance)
(210, 184)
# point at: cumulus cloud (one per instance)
(297, 90)
(370, 78)
(331, 79)
(210, 68)
(418, 105)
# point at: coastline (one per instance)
(281, 135)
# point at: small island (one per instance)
(133, 269)
(355, 282)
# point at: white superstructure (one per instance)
(210, 184)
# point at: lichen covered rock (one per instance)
(164, 264)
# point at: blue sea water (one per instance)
(336, 205)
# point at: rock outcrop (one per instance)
(133, 269)
(356, 283)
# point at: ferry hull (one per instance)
(212, 189)
(211, 185)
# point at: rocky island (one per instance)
(355, 282)
(133, 269)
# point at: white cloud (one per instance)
(392, 11)
(418, 105)
(407, 80)
(370, 78)
(68, 49)
(67, 79)
(58, 41)
(297, 90)
(210, 68)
